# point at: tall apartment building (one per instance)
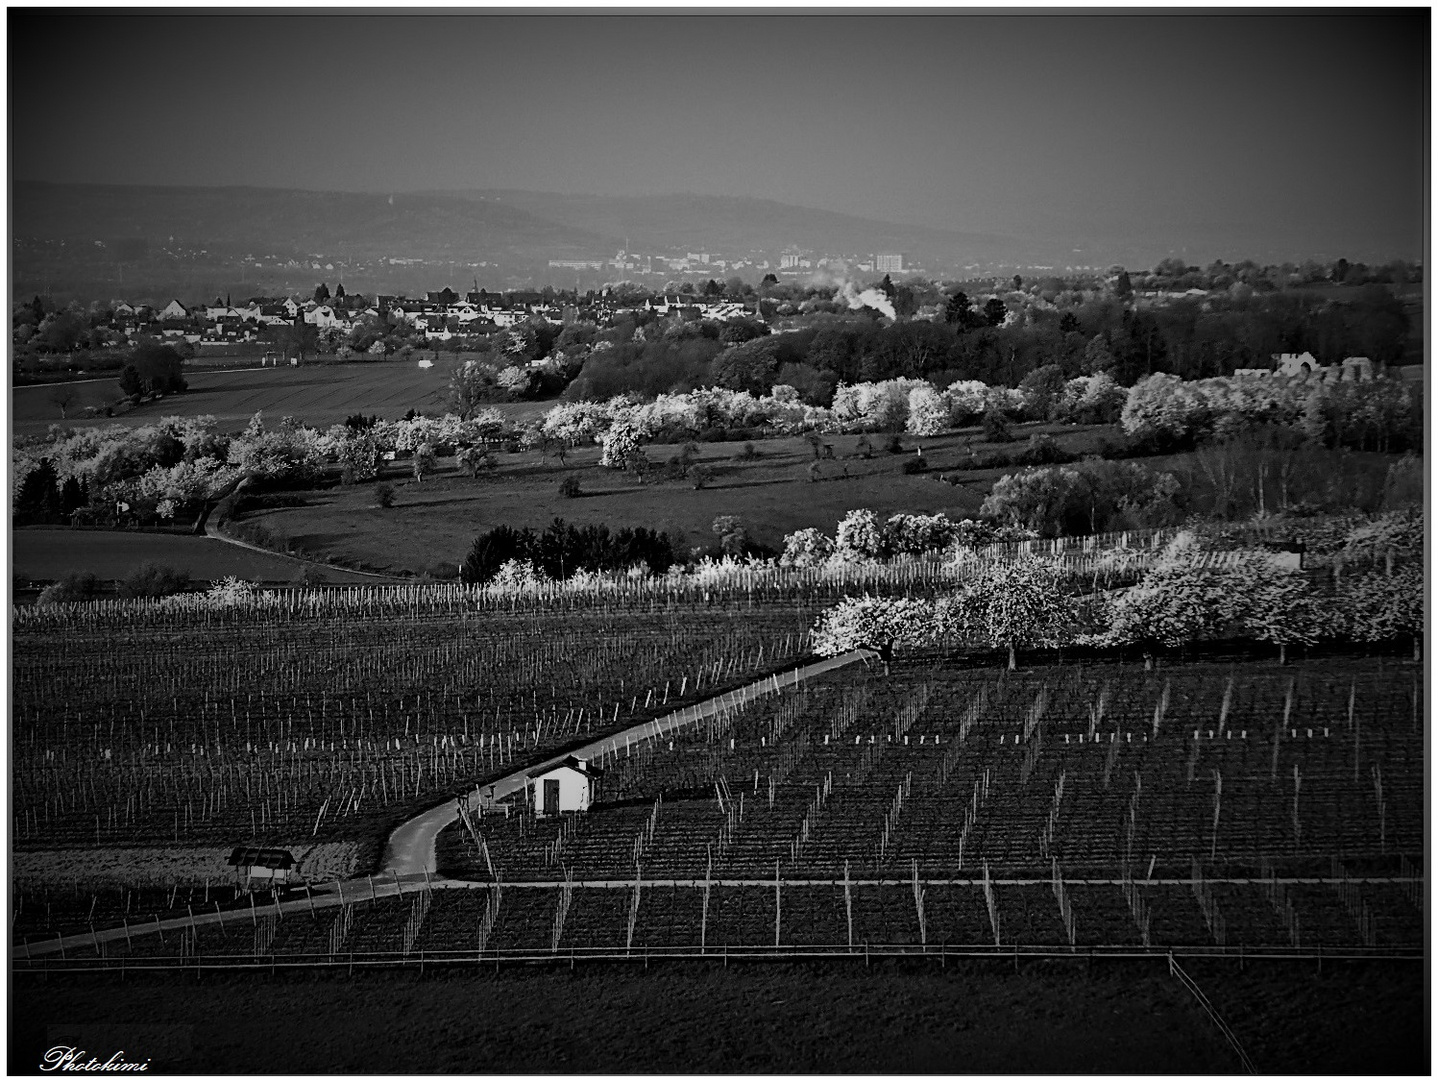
(889, 264)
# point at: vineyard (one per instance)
(1100, 805)
(1205, 807)
(302, 727)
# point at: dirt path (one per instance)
(410, 848)
(409, 857)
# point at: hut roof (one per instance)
(571, 762)
(270, 858)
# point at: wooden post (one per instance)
(848, 904)
(776, 903)
(704, 912)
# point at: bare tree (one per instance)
(64, 395)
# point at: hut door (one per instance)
(551, 796)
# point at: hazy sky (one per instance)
(1313, 124)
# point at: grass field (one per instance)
(315, 394)
(38, 554)
(1044, 1018)
(436, 520)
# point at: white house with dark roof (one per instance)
(567, 786)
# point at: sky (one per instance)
(1310, 125)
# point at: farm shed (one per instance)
(567, 786)
(261, 868)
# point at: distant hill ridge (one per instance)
(735, 224)
(336, 223)
(449, 225)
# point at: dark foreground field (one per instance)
(1050, 1018)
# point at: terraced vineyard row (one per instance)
(495, 921)
(276, 732)
(1242, 773)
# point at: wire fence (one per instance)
(186, 959)
(1182, 976)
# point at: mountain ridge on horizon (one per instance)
(84, 235)
(555, 223)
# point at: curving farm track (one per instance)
(410, 848)
(409, 856)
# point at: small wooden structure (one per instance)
(261, 868)
(562, 787)
(1287, 554)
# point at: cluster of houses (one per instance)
(1304, 366)
(439, 316)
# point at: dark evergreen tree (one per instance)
(38, 500)
(322, 293)
(73, 495)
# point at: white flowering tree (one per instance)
(1011, 605)
(1165, 406)
(621, 445)
(284, 452)
(861, 535)
(915, 534)
(1280, 606)
(575, 423)
(1092, 399)
(928, 411)
(356, 452)
(877, 623)
(514, 380)
(1378, 607)
(1176, 603)
(807, 547)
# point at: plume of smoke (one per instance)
(873, 298)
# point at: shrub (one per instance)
(569, 488)
(733, 536)
(563, 550)
(70, 588)
(747, 453)
(700, 475)
(476, 459)
(895, 445)
(1074, 500)
(996, 426)
(914, 465)
(154, 580)
(384, 495)
(1043, 450)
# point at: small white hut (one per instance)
(261, 868)
(565, 786)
